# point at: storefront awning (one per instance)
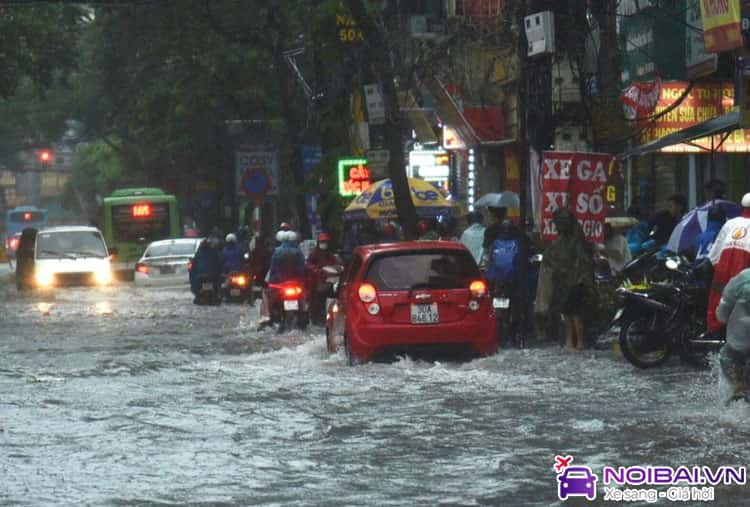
(722, 124)
(474, 125)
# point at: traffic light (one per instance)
(45, 156)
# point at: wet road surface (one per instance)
(127, 396)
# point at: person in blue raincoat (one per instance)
(231, 255)
(716, 219)
(206, 264)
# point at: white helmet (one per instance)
(231, 238)
(291, 236)
(746, 200)
(281, 236)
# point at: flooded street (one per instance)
(132, 396)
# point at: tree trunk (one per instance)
(377, 51)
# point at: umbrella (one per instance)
(506, 199)
(377, 201)
(686, 232)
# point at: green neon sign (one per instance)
(354, 176)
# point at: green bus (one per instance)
(133, 218)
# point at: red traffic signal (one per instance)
(45, 156)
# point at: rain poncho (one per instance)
(567, 265)
(729, 255)
(734, 309)
(472, 239)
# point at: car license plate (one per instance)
(167, 270)
(292, 304)
(234, 292)
(208, 286)
(425, 314)
(502, 303)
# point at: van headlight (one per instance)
(44, 278)
(103, 276)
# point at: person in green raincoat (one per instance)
(568, 268)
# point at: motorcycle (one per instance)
(288, 305)
(208, 293)
(321, 286)
(659, 318)
(502, 302)
(236, 287)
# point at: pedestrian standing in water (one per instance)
(569, 264)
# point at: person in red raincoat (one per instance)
(729, 255)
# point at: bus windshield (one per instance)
(140, 222)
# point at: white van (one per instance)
(71, 255)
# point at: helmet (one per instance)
(285, 226)
(324, 236)
(291, 236)
(506, 226)
(281, 236)
(423, 226)
(746, 200)
(389, 228)
(231, 238)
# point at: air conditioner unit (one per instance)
(422, 27)
(540, 33)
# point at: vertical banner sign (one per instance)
(579, 182)
(722, 29)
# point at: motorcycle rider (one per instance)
(730, 254)
(287, 264)
(734, 311)
(231, 255)
(320, 257)
(206, 265)
(504, 254)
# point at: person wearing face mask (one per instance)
(321, 256)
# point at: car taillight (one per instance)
(190, 266)
(141, 268)
(239, 280)
(292, 292)
(367, 293)
(13, 243)
(478, 288)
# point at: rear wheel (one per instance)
(350, 358)
(643, 343)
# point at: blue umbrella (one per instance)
(686, 232)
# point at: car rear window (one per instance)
(182, 248)
(425, 269)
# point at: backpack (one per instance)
(504, 258)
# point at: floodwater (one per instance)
(127, 396)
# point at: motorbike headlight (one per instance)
(103, 276)
(44, 278)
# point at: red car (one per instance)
(421, 297)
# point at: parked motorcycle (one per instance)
(662, 317)
(236, 287)
(289, 306)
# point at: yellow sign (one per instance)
(721, 25)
